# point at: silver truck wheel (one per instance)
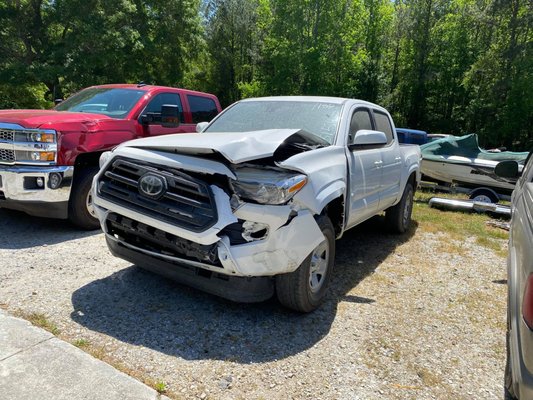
(89, 204)
(305, 289)
(398, 217)
(319, 266)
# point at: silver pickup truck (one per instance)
(253, 203)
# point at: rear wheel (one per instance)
(398, 217)
(80, 208)
(305, 289)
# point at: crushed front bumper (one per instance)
(290, 237)
(19, 190)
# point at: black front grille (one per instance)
(187, 201)
(157, 241)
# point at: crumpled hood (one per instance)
(46, 118)
(237, 147)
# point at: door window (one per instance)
(383, 124)
(360, 120)
(203, 109)
(165, 98)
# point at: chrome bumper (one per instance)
(18, 189)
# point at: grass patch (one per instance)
(161, 387)
(41, 321)
(81, 343)
(457, 224)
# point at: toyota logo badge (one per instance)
(152, 185)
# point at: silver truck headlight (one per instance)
(35, 146)
(267, 186)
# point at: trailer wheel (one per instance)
(80, 206)
(484, 196)
(305, 289)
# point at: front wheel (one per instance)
(305, 289)
(509, 389)
(80, 207)
(398, 217)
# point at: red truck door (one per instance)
(155, 106)
(201, 108)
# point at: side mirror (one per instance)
(507, 169)
(200, 126)
(167, 118)
(58, 101)
(170, 116)
(368, 138)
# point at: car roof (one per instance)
(318, 99)
(148, 88)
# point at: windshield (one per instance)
(319, 118)
(115, 103)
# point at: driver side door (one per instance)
(364, 166)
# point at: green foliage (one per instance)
(450, 66)
(23, 96)
(69, 44)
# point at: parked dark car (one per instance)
(519, 367)
(411, 136)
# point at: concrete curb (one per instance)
(35, 365)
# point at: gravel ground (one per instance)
(416, 316)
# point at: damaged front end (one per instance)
(205, 222)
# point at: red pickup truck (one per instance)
(48, 157)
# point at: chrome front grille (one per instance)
(7, 156)
(187, 202)
(7, 135)
(17, 145)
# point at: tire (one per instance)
(398, 217)
(509, 392)
(79, 205)
(304, 290)
(484, 196)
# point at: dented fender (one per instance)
(281, 252)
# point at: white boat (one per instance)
(460, 161)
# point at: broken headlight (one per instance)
(267, 186)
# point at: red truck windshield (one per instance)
(115, 103)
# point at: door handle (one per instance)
(398, 159)
(378, 163)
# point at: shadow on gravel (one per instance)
(21, 231)
(144, 309)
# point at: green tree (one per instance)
(68, 44)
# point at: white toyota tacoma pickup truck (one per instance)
(252, 205)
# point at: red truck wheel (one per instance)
(81, 212)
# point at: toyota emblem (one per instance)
(152, 185)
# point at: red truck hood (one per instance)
(47, 118)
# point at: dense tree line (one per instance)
(451, 66)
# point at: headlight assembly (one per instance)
(35, 146)
(267, 186)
